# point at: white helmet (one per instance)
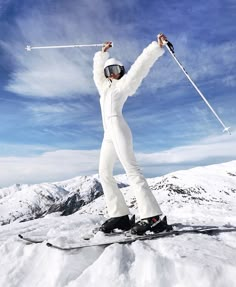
(113, 66)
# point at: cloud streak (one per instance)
(213, 148)
(63, 164)
(68, 73)
(50, 166)
(54, 73)
(51, 74)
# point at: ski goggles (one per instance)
(112, 70)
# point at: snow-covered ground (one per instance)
(204, 196)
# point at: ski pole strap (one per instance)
(171, 47)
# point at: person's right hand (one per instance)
(106, 46)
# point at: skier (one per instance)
(114, 87)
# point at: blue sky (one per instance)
(50, 117)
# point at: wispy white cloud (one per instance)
(57, 113)
(16, 150)
(50, 166)
(51, 75)
(76, 122)
(214, 149)
(68, 73)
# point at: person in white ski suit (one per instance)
(117, 142)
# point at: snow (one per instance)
(203, 196)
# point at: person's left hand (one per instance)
(162, 40)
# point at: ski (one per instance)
(85, 237)
(30, 240)
(129, 238)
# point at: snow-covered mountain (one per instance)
(203, 196)
(26, 202)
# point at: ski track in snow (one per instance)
(188, 260)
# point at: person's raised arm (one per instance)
(141, 67)
(99, 60)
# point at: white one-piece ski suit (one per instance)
(117, 141)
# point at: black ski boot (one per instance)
(154, 224)
(122, 222)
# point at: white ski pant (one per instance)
(117, 143)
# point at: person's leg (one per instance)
(114, 198)
(122, 140)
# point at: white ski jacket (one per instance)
(115, 93)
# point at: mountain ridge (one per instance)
(22, 202)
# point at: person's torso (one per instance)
(112, 100)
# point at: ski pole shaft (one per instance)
(29, 48)
(171, 50)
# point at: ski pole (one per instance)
(170, 48)
(29, 48)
